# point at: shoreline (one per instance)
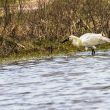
(35, 56)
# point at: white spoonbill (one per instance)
(88, 40)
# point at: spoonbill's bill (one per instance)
(88, 40)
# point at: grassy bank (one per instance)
(39, 49)
(61, 50)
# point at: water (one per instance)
(79, 82)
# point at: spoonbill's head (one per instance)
(70, 38)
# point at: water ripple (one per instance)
(75, 82)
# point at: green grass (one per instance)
(59, 50)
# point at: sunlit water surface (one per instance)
(78, 82)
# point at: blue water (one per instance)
(78, 82)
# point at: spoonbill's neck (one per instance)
(76, 41)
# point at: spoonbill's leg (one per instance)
(93, 51)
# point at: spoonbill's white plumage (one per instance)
(88, 40)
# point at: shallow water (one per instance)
(79, 82)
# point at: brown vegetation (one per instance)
(42, 28)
